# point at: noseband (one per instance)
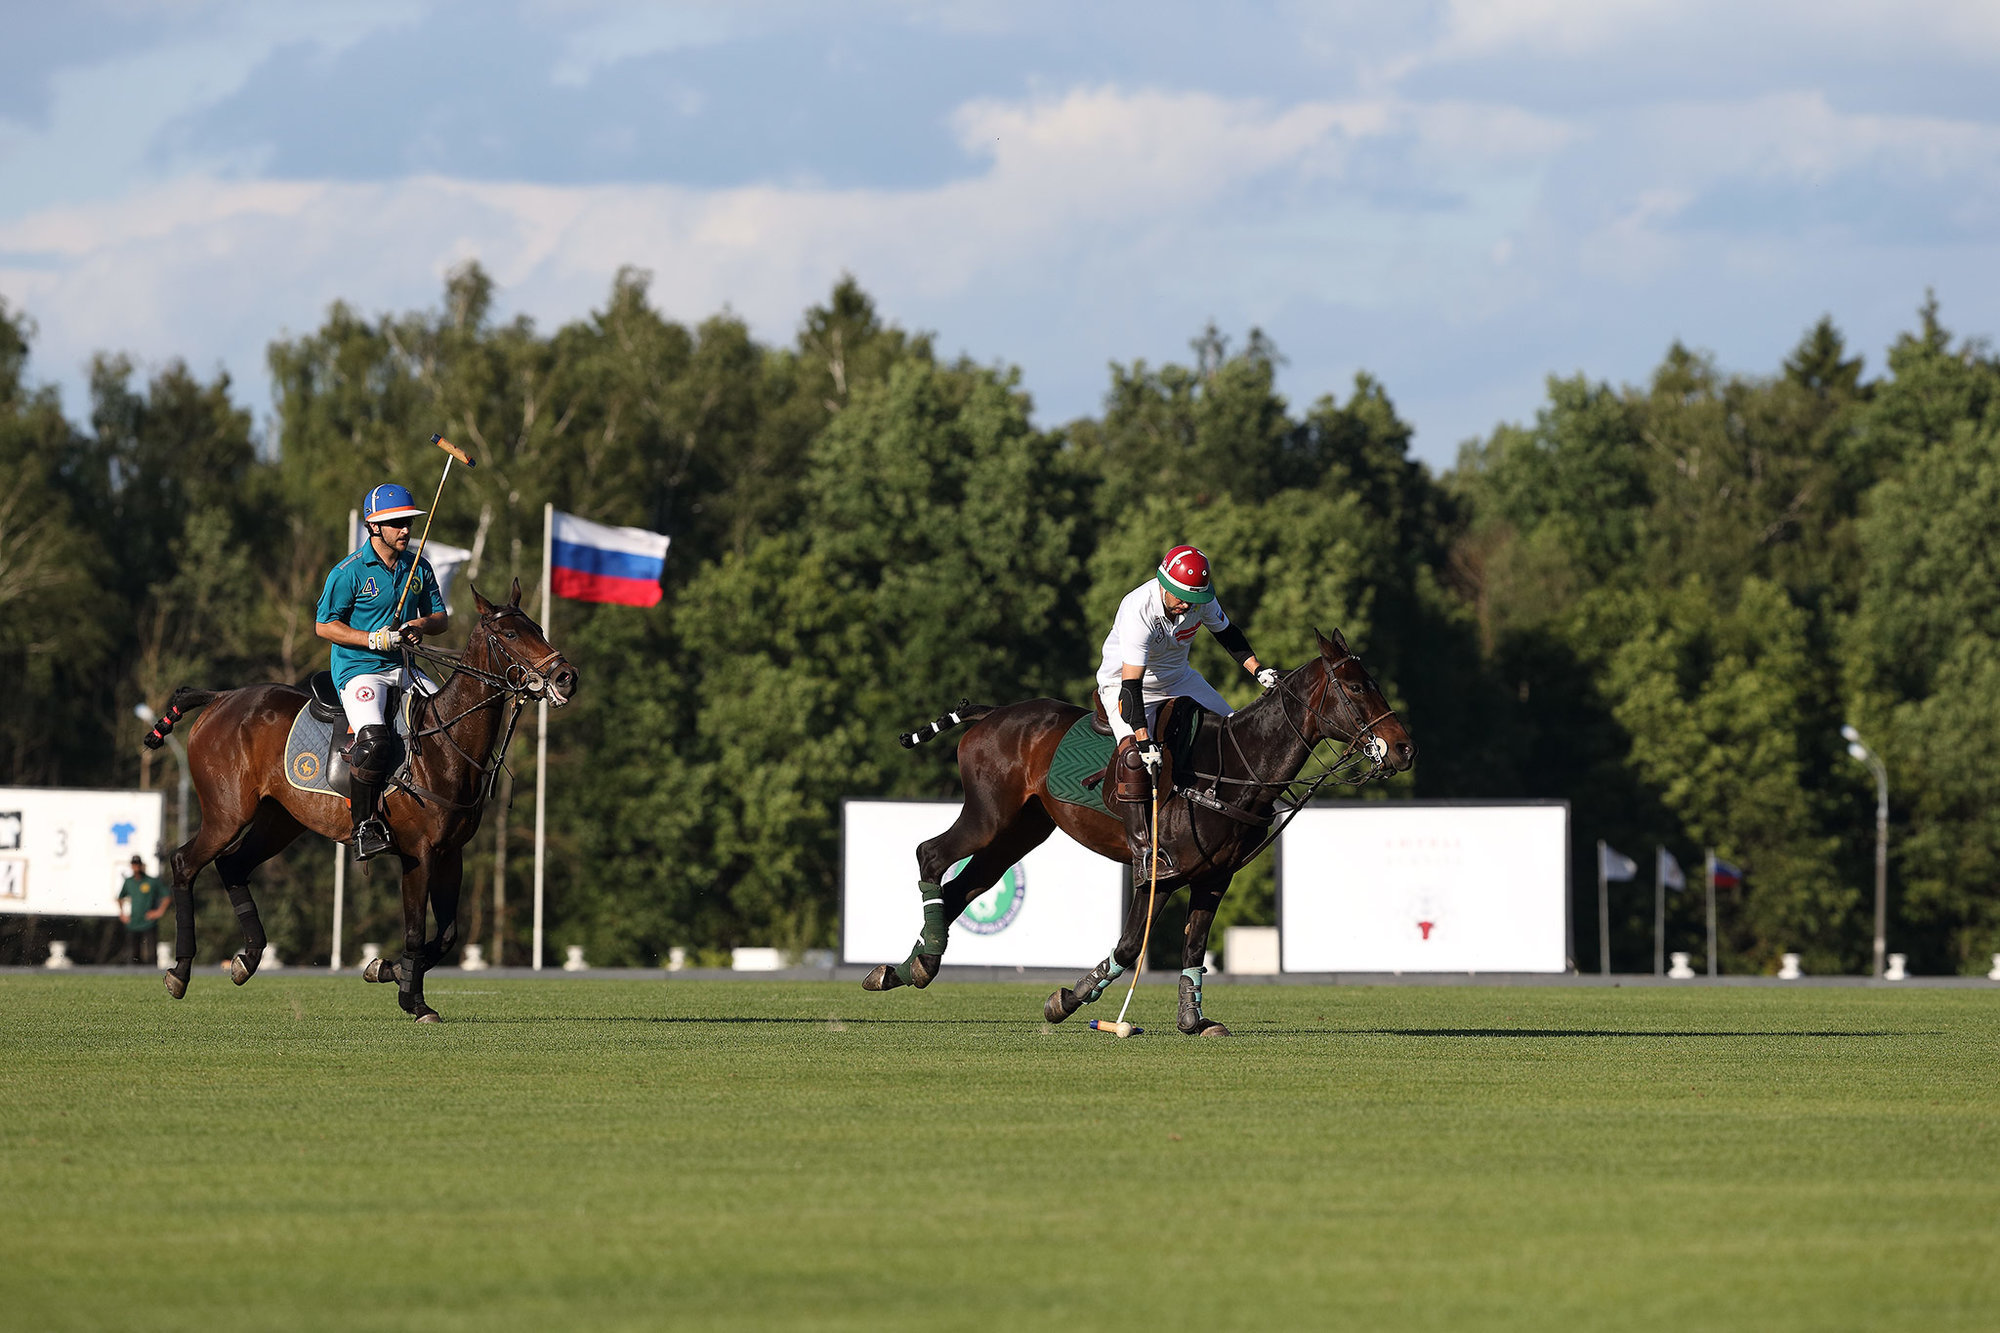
(1362, 742)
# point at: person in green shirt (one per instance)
(141, 904)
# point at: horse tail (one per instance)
(967, 711)
(184, 698)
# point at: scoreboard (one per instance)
(66, 851)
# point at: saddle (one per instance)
(1178, 723)
(316, 748)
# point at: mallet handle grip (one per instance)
(452, 449)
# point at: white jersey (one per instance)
(1143, 634)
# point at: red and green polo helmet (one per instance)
(1184, 573)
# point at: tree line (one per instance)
(1659, 601)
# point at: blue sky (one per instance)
(1459, 198)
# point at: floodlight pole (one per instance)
(1857, 750)
(1603, 916)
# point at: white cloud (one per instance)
(1100, 223)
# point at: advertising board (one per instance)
(64, 851)
(1418, 887)
(1060, 907)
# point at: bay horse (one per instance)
(250, 811)
(1214, 824)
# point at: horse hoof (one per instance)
(428, 1015)
(1211, 1028)
(239, 971)
(379, 970)
(176, 986)
(1060, 1005)
(882, 978)
(924, 969)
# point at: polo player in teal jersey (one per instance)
(357, 614)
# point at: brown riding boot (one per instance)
(1134, 783)
(1134, 793)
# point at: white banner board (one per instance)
(65, 852)
(1407, 887)
(1060, 907)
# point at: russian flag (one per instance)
(595, 562)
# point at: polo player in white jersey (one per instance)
(1146, 662)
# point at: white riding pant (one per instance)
(364, 697)
(1157, 690)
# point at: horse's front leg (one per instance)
(1203, 900)
(417, 874)
(1124, 955)
(446, 879)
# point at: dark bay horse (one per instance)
(250, 812)
(1241, 771)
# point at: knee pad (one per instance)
(373, 753)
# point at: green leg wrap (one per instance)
(932, 940)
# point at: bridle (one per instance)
(518, 681)
(1363, 758)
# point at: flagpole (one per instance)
(1711, 911)
(1659, 911)
(339, 847)
(542, 735)
(1603, 916)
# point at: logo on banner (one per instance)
(994, 910)
(10, 830)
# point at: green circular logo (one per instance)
(994, 910)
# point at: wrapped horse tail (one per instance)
(967, 711)
(184, 698)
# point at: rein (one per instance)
(517, 683)
(1293, 793)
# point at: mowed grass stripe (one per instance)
(744, 1155)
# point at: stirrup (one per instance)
(371, 838)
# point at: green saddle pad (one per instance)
(1082, 754)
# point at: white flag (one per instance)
(1614, 865)
(1669, 871)
(446, 561)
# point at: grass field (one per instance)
(610, 1155)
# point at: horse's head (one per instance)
(516, 649)
(1347, 706)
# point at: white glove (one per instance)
(1149, 755)
(381, 640)
(1268, 678)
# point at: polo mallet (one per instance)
(454, 452)
(1121, 1028)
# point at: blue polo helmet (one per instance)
(388, 501)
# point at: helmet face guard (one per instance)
(1185, 573)
(388, 501)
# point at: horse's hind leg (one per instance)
(207, 843)
(271, 830)
(992, 841)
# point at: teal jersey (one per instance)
(362, 592)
